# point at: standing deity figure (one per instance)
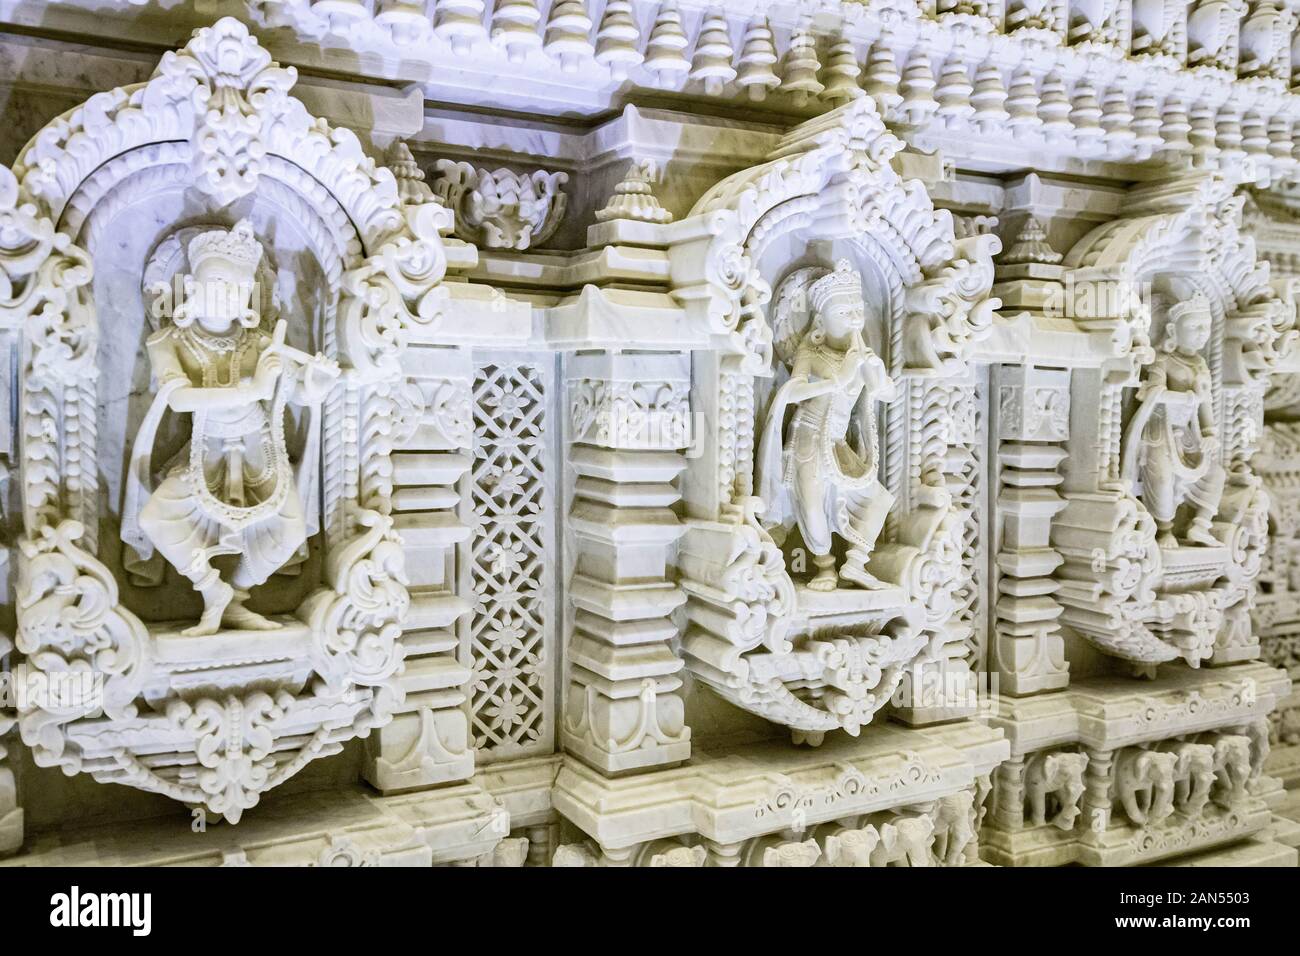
(231, 492)
(819, 471)
(1171, 438)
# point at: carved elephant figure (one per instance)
(848, 847)
(686, 856)
(1194, 775)
(904, 842)
(1059, 775)
(512, 851)
(1232, 767)
(953, 829)
(574, 854)
(791, 853)
(1144, 782)
(1257, 731)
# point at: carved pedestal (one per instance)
(896, 798)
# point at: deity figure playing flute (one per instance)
(818, 470)
(232, 490)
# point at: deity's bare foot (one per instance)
(825, 579)
(1167, 540)
(216, 598)
(1199, 533)
(240, 618)
(862, 578)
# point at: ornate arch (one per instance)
(221, 111)
(829, 179)
(1178, 238)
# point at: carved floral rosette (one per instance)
(1121, 590)
(216, 115)
(830, 179)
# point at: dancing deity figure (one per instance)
(820, 470)
(1171, 440)
(232, 490)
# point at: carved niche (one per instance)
(225, 572)
(822, 558)
(1166, 522)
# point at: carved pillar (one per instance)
(724, 854)
(944, 442)
(628, 425)
(1097, 793)
(621, 856)
(428, 740)
(541, 843)
(1009, 795)
(1032, 407)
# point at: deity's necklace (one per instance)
(208, 350)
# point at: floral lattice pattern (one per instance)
(509, 632)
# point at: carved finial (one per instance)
(1116, 118)
(799, 72)
(1085, 116)
(1031, 245)
(616, 40)
(756, 59)
(1054, 106)
(411, 187)
(1022, 102)
(568, 34)
(1175, 126)
(989, 97)
(713, 52)
(917, 87)
(634, 198)
(882, 79)
(514, 28)
(1254, 135)
(1202, 134)
(406, 21)
(459, 23)
(663, 55)
(842, 74)
(1146, 122)
(954, 93)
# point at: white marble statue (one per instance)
(232, 490)
(821, 468)
(1172, 441)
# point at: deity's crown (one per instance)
(844, 280)
(239, 246)
(1197, 303)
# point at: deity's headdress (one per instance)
(1196, 304)
(238, 246)
(239, 249)
(843, 281)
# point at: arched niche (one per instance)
(758, 634)
(1154, 594)
(95, 207)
